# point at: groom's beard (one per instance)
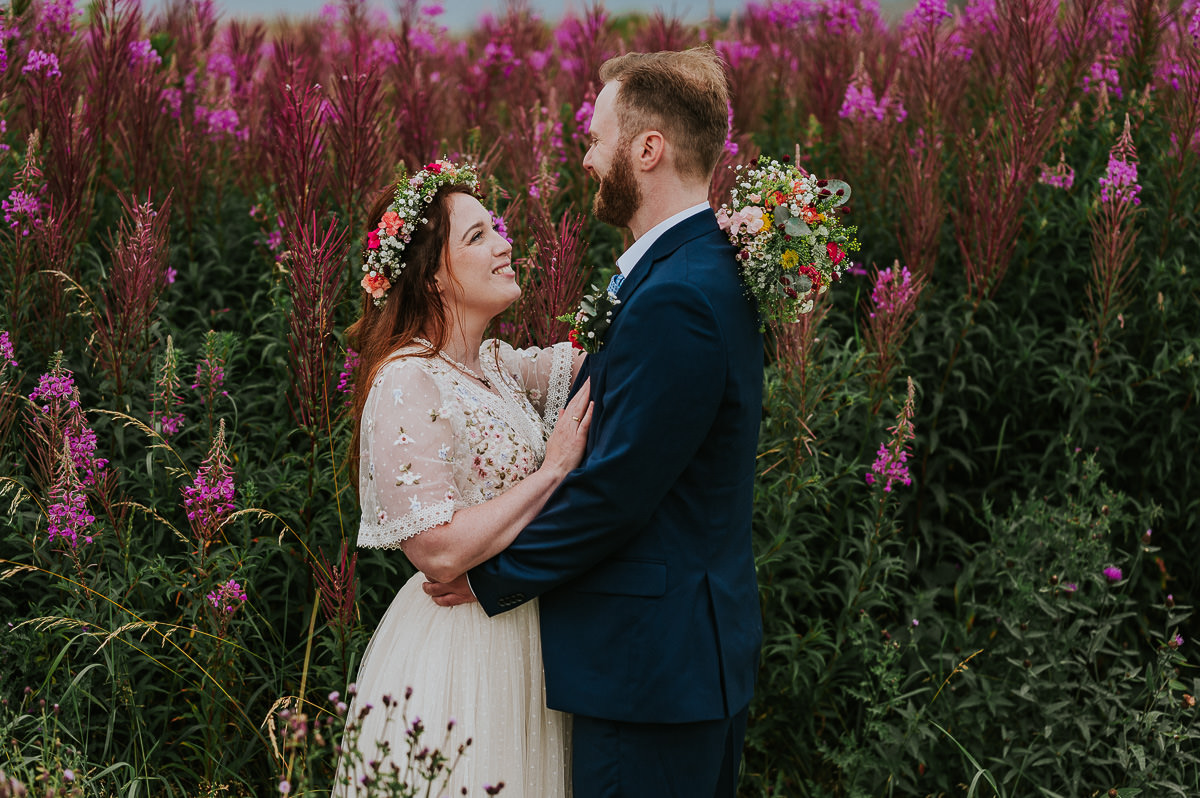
(619, 196)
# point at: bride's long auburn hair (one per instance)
(413, 307)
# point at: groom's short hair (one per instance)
(683, 94)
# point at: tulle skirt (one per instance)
(484, 674)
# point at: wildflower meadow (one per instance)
(979, 474)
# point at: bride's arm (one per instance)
(475, 534)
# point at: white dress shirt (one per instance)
(632, 255)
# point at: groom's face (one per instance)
(609, 159)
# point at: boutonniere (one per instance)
(591, 321)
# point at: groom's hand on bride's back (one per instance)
(450, 594)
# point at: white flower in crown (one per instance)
(385, 244)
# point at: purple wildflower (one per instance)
(7, 356)
(1061, 176)
(1104, 76)
(346, 377)
(166, 399)
(927, 13)
(3, 123)
(226, 123)
(56, 18)
(1176, 641)
(891, 467)
(172, 102)
(58, 383)
(42, 62)
(285, 787)
(1194, 26)
(501, 228)
(1070, 587)
(68, 513)
(893, 289)
(583, 120)
(142, 53)
(225, 595)
(210, 496)
(1112, 574)
(22, 211)
(1119, 183)
(81, 443)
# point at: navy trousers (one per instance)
(613, 759)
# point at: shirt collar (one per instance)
(632, 255)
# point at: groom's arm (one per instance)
(666, 376)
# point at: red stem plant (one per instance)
(554, 279)
(417, 93)
(1178, 98)
(1114, 235)
(797, 349)
(138, 275)
(114, 26)
(316, 274)
(337, 586)
(999, 160)
(355, 135)
(297, 145)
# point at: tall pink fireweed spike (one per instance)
(210, 370)
(113, 26)
(1001, 155)
(891, 461)
(890, 315)
(54, 416)
(224, 602)
(9, 396)
(922, 210)
(208, 501)
(1114, 234)
(557, 288)
(125, 312)
(869, 127)
(346, 376)
(165, 415)
(68, 517)
(316, 276)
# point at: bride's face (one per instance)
(477, 276)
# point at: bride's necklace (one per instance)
(465, 370)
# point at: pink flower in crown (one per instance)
(376, 285)
(390, 223)
(373, 239)
(834, 253)
(434, 168)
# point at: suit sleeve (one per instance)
(666, 375)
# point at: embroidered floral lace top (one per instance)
(435, 440)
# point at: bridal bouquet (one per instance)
(791, 241)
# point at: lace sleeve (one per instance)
(406, 455)
(544, 374)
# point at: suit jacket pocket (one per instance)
(625, 578)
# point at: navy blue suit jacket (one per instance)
(642, 557)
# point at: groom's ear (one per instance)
(648, 149)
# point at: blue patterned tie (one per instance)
(614, 285)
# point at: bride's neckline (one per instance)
(465, 369)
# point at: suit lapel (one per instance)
(689, 229)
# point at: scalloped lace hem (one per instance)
(392, 534)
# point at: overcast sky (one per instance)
(461, 15)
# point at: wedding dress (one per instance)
(434, 441)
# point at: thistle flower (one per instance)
(1176, 641)
(1112, 574)
(209, 499)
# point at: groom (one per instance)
(642, 558)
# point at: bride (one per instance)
(455, 456)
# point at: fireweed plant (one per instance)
(1008, 603)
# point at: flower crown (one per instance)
(791, 242)
(386, 243)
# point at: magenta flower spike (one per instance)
(209, 499)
